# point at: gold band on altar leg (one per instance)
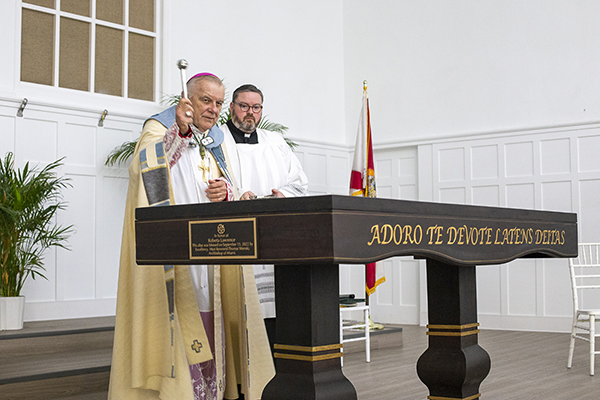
(475, 396)
(307, 358)
(473, 325)
(467, 333)
(459, 330)
(307, 349)
(333, 351)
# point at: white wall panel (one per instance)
(522, 292)
(78, 144)
(589, 210)
(76, 268)
(110, 212)
(557, 288)
(36, 139)
(519, 159)
(587, 147)
(386, 293)
(551, 169)
(338, 173)
(486, 195)
(407, 166)
(111, 186)
(557, 196)
(453, 195)
(7, 134)
(315, 166)
(327, 167)
(300, 155)
(488, 282)
(352, 280)
(410, 275)
(555, 156)
(520, 195)
(408, 192)
(384, 168)
(385, 192)
(485, 162)
(451, 164)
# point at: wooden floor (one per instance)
(525, 365)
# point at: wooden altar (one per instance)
(307, 238)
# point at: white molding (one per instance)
(42, 311)
(70, 109)
(322, 145)
(487, 135)
(526, 323)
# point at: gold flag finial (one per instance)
(365, 85)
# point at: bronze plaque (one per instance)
(223, 238)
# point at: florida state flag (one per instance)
(362, 180)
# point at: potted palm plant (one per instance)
(29, 201)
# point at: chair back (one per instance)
(585, 276)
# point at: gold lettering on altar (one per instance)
(464, 235)
(406, 234)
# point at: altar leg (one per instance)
(454, 365)
(307, 349)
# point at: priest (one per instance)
(185, 332)
(264, 166)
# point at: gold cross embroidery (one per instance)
(204, 168)
(196, 346)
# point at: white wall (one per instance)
(440, 68)
(291, 50)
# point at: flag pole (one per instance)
(372, 326)
(366, 119)
(366, 186)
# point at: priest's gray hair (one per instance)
(247, 88)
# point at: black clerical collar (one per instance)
(242, 137)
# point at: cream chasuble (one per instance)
(162, 348)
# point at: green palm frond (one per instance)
(170, 99)
(276, 127)
(29, 202)
(290, 143)
(121, 154)
(272, 126)
(224, 117)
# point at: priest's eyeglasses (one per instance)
(245, 107)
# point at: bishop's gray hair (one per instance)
(193, 83)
